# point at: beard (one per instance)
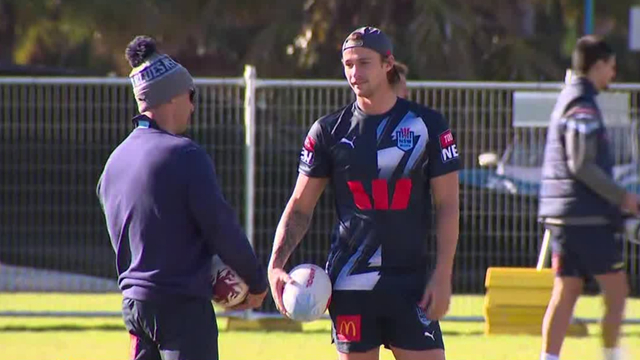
(365, 91)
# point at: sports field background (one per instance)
(105, 338)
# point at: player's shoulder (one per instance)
(181, 144)
(583, 116)
(329, 121)
(188, 147)
(164, 144)
(431, 117)
(583, 110)
(326, 126)
(181, 148)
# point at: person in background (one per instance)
(580, 204)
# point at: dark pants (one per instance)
(585, 251)
(171, 330)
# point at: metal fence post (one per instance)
(250, 76)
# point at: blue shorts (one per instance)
(585, 251)
(387, 315)
(171, 330)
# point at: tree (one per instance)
(7, 31)
(521, 40)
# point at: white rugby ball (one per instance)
(307, 298)
(228, 288)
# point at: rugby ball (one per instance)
(308, 296)
(228, 288)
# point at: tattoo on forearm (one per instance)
(295, 226)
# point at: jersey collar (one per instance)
(145, 122)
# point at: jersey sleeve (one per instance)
(217, 221)
(315, 158)
(582, 128)
(443, 150)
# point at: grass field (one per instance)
(105, 338)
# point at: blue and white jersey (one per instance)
(380, 167)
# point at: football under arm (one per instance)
(296, 218)
(445, 194)
(218, 222)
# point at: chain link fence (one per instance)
(56, 134)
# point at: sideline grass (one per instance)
(461, 305)
(105, 339)
(464, 341)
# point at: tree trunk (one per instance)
(7, 31)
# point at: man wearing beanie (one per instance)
(167, 218)
(386, 158)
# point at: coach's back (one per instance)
(166, 217)
(144, 193)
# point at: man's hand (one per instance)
(278, 278)
(291, 229)
(630, 204)
(437, 296)
(252, 301)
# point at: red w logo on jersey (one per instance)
(380, 194)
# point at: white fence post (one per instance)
(250, 76)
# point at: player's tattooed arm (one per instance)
(291, 229)
(296, 218)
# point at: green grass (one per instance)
(105, 338)
(461, 305)
(59, 302)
